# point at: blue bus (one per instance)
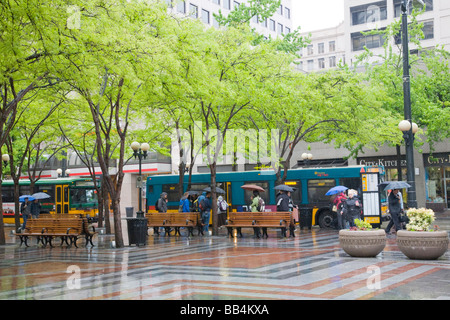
(310, 185)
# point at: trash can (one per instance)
(305, 217)
(137, 231)
(129, 211)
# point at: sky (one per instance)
(317, 14)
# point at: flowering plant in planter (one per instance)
(420, 219)
(361, 225)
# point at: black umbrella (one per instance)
(397, 185)
(218, 190)
(283, 187)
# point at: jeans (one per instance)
(205, 219)
(25, 218)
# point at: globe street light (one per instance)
(307, 157)
(140, 151)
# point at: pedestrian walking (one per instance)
(395, 208)
(222, 207)
(338, 203)
(25, 210)
(184, 203)
(205, 210)
(351, 208)
(35, 209)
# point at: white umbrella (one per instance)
(40, 195)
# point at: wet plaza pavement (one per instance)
(309, 266)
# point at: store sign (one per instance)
(436, 159)
(387, 162)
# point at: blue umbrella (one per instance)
(337, 189)
(22, 198)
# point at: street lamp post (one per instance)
(307, 157)
(407, 126)
(140, 152)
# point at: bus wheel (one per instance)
(327, 219)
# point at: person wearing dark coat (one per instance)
(351, 208)
(282, 202)
(395, 208)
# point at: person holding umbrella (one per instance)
(395, 208)
(35, 209)
(25, 210)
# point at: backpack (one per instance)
(201, 205)
(156, 205)
(223, 205)
(261, 205)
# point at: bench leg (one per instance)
(230, 231)
(291, 231)
(177, 231)
(200, 230)
(239, 232)
(89, 239)
(167, 231)
(283, 232)
(265, 235)
(190, 231)
(257, 232)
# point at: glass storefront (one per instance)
(437, 179)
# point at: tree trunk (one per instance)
(215, 218)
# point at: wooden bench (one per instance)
(88, 234)
(176, 220)
(34, 228)
(264, 220)
(68, 229)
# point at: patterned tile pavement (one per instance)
(309, 266)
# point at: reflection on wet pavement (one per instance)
(309, 266)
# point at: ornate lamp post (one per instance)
(407, 126)
(140, 151)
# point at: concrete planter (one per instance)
(362, 243)
(422, 245)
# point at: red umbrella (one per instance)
(252, 187)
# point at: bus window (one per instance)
(317, 189)
(264, 195)
(351, 183)
(296, 196)
(172, 192)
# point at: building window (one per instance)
(169, 3)
(359, 41)
(181, 7)
(236, 4)
(280, 10)
(310, 65)
(280, 28)
(216, 2)
(310, 50)
(287, 30)
(321, 63)
(332, 61)
(272, 25)
(428, 30)
(227, 4)
(416, 5)
(321, 47)
(287, 13)
(369, 13)
(332, 46)
(205, 16)
(193, 11)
